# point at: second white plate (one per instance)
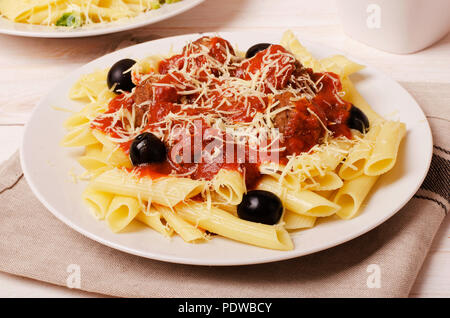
(46, 167)
(42, 31)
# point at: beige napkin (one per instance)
(381, 263)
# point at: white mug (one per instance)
(398, 26)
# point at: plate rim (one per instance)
(189, 261)
(107, 29)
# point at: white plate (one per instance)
(153, 16)
(46, 166)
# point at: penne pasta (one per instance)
(329, 181)
(223, 223)
(295, 221)
(323, 158)
(55, 12)
(283, 175)
(352, 195)
(93, 159)
(78, 137)
(155, 220)
(340, 65)
(385, 149)
(112, 154)
(84, 116)
(77, 119)
(229, 186)
(122, 210)
(98, 202)
(188, 232)
(91, 86)
(167, 191)
(359, 155)
(320, 164)
(303, 202)
(353, 96)
(290, 42)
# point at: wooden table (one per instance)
(31, 67)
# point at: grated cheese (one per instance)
(215, 88)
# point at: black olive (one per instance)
(260, 206)
(358, 120)
(119, 76)
(147, 148)
(251, 52)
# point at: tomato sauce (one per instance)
(112, 127)
(305, 125)
(279, 63)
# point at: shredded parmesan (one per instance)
(212, 88)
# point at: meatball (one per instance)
(143, 95)
(275, 64)
(143, 92)
(281, 119)
(300, 125)
(217, 47)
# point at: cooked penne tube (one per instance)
(329, 181)
(46, 15)
(340, 65)
(149, 63)
(229, 186)
(359, 155)
(77, 119)
(55, 12)
(223, 223)
(354, 97)
(97, 201)
(288, 180)
(386, 147)
(167, 191)
(78, 137)
(323, 158)
(84, 116)
(318, 164)
(122, 210)
(154, 220)
(352, 195)
(93, 159)
(327, 194)
(187, 231)
(295, 221)
(112, 153)
(290, 42)
(116, 157)
(303, 202)
(91, 86)
(232, 209)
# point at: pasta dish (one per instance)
(210, 141)
(75, 13)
